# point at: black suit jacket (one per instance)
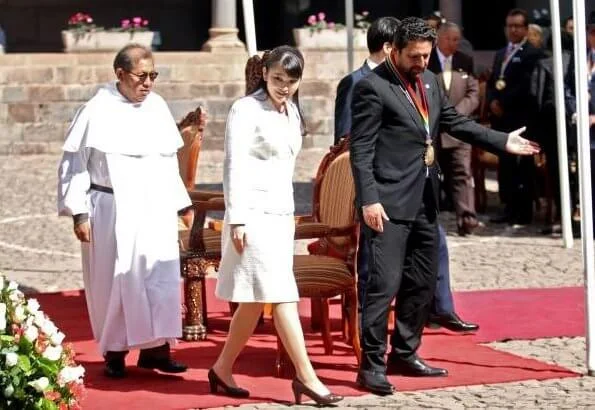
(387, 142)
(343, 100)
(515, 97)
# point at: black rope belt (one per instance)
(101, 188)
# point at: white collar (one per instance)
(372, 65)
(442, 57)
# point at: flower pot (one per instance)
(328, 38)
(76, 42)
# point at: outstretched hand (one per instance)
(520, 146)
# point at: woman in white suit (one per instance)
(262, 139)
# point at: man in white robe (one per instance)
(119, 181)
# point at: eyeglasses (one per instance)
(144, 75)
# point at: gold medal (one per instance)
(429, 155)
(500, 84)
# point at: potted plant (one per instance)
(82, 35)
(321, 34)
(36, 370)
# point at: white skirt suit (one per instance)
(261, 145)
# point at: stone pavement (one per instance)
(39, 250)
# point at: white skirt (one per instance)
(264, 271)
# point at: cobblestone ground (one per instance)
(39, 250)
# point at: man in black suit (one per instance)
(379, 39)
(508, 96)
(398, 111)
(455, 75)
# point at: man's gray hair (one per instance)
(130, 55)
(447, 26)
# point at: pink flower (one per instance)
(321, 16)
(125, 23)
(365, 13)
(312, 20)
(331, 24)
(145, 23)
(89, 20)
(137, 20)
(52, 395)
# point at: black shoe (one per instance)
(300, 389)
(452, 322)
(115, 367)
(215, 382)
(413, 366)
(159, 358)
(375, 382)
(166, 365)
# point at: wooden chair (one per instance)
(330, 269)
(199, 247)
(482, 160)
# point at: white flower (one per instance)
(32, 305)
(16, 295)
(40, 384)
(57, 338)
(9, 391)
(70, 374)
(52, 353)
(31, 333)
(39, 318)
(48, 327)
(2, 317)
(11, 359)
(12, 285)
(19, 314)
(2, 281)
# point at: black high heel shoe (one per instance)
(300, 388)
(215, 382)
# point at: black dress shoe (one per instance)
(452, 322)
(115, 368)
(375, 382)
(413, 366)
(166, 365)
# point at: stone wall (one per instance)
(39, 93)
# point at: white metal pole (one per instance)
(349, 17)
(250, 30)
(561, 126)
(584, 163)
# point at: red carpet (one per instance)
(502, 314)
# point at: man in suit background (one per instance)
(508, 98)
(379, 39)
(455, 77)
(398, 111)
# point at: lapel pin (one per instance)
(428, 86)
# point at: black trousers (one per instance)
(403, 263)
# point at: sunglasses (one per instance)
(144, 75)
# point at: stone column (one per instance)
(223, 34)
(452, 10)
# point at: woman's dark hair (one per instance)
(290, 59)
(381, 31)
(413, 29)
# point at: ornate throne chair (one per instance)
(329, 270)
